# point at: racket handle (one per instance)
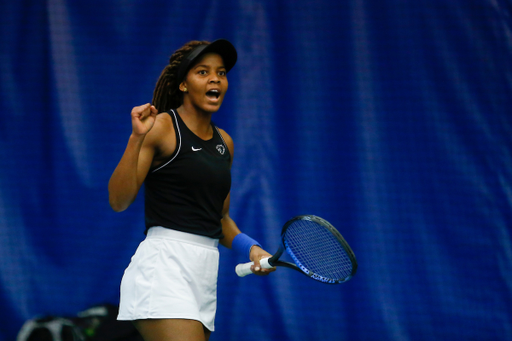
(244, 269)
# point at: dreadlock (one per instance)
(167, 95)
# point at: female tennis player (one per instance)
(169, 289)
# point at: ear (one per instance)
(183, 87)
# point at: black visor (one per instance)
(221, 46)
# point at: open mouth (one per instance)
(213, 94)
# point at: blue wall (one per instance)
(391, 119)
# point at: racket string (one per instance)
(315, 249)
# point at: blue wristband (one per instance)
(242, 244)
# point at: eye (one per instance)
(202, 72)
(222, 73)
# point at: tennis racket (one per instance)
(317, 249)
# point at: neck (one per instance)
(198, 121)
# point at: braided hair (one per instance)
(167, 95)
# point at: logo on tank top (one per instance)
(221, 149)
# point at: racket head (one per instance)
(318, 249)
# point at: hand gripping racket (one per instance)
(318, 251)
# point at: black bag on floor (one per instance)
(98, 323)
(50, 328)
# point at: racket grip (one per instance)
(244, 269)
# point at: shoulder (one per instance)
(161, 137)
(228, 140)
(162, 124)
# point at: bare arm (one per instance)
(134, 165)
(230, 229)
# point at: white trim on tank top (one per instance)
(177, 126)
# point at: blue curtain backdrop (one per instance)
(391, 119)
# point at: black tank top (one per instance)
(187, 192)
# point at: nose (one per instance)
(214, 78)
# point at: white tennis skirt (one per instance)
(172, 275)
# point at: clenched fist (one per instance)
(143, 118)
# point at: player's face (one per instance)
(206, 83)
